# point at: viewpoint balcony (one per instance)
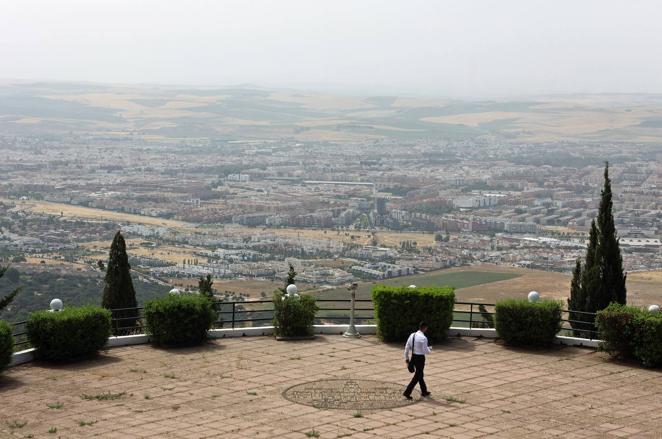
(237, 388)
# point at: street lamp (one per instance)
(654, 309)
(534, 296)
(292, 290)
(56, 305)
(351, 330)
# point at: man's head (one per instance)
(423, 326)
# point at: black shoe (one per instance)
(425, 394)
(409, 398)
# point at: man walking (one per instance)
(417, 344)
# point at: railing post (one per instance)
(471, 316)
(232, 315)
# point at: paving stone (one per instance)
(233, 388)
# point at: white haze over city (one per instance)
(452, 48)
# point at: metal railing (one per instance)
(253, 313)
(578, 328)
(475, 315)
(257, 313)
(20, 333)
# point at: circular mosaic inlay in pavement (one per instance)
(348, 394)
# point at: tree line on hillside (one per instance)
(39, 287)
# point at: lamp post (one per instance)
(292, 290)
(351, 330)
(56, 305)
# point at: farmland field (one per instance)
(176, 112)
(489, 283)
(457, 279)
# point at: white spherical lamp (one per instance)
(654, 309)
(175, 292)
(412, 286)
(292, 290)
(534, 296)
(56, 305)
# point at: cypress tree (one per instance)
(118, 291)
(590, 275)
(205, 287)
(601, 280)
(613, 278)
(291, 276)
(9, 298)
(576, 298)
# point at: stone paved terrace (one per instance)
(232, 388)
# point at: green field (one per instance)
(337, 312)
(457, 279)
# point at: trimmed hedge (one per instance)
(616, 329)
(179, 320)
(293, 316)
(630, 332)
(6, 345)
(69, 334)
(399, 310)
(648, 339)
(520, 322)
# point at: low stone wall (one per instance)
(491, 333)
(128, 340)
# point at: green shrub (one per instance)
(616, 329)
(647, 340)
(399, 310)
(293, 316)
(520, 322)
(6, 345)
(179, 319)
(630, 332)
(69, 334)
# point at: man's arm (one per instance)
(408, 348)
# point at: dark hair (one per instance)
(423, 324)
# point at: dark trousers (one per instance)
(419, 364)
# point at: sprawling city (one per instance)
(343, 202)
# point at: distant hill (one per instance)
(75, 288)
(251, 112)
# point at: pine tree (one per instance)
(118, 292)
(205, 287)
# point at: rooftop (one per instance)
(233, 388)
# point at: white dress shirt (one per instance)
(420, 344)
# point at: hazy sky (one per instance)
(456, 48)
